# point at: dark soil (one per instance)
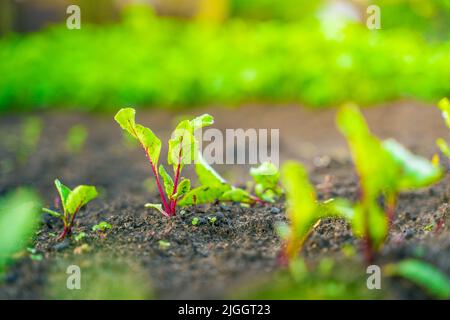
(212, 260)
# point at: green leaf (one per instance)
(444, 105)
(202, 121)
(376, 222)
(423, 274)
(236, 195)
(300, 196)
(266, 177)
(149, 141)
(126, 119)
(158, 207)
(167, 179)
(19, 211)
(183, 188)
(443, 146)
(376, 168)
(303, 210)
(102, 226)
(339, 207)
(414, 171)
(79, 197)
(203, 194)
(206, 174)
(182, 145)
(52, 213)
(63, 193)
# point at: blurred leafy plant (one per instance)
(71, 201)
(385, 168)
(423, 274)
(76, 139)
(29, 138)
(19, 212)
(303, 209)
(326, 280)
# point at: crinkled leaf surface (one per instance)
(79, 197)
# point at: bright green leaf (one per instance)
(202, 121)
(423, 274)
(236, 195)
(79, 197)
(167, 180)
(414, 171)
(63, 193)
(183, 188)
(52, 213)
(158, 207)
(149, 141)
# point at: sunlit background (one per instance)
(180, 53)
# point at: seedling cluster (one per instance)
(385, 168)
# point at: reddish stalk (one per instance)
(155, 172)
(173, 202)
(390, 209)
(160, 189)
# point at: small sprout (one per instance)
(80, 236)
(183, 148)
(102, 226)
(428, 227)
(212, 220)
(76, 139)
(34, 255)
(72, 201)
(163, 244)
(266, 178)
(195, 221)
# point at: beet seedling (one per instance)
(71, 201)
(183, 149)
(385, 168)
(266, 178)
(303, 209)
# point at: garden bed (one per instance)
(214, 260)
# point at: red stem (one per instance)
(63, 234)
(160, 189)
(155, 172)
(173, 202)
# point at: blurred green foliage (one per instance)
(19, 211)
(327, 280)
(149, 61)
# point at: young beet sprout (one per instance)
(71, 201)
